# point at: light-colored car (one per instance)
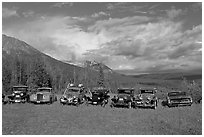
(43, 95)
(73, 95)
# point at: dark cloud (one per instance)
(134, 42)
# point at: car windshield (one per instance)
(125, 91)
(19, 88)
(146, 91)
(177, 93)
(44, 90)
(73, 90)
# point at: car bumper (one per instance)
(95, 103)
(122, 104)
(180, 104)
(17, 101)
(68, 102)
(40, 101)
(143, 104)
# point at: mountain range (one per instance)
(20, 61)
(23, 64)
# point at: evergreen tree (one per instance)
(39, 76)
(101, 77)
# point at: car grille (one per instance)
(39, 97)
(95, 98)
(184, 100)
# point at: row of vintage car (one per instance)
(76, 95)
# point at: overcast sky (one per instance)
(130, 37)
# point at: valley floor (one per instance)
(56, 119)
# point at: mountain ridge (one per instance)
(19, 61)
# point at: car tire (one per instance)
(77, 104)
(103, 104)
(155, 105)
(50, 102)
(129, 105)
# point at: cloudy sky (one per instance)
(128, 37)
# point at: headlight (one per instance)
(21, 94)
(13, 94)
(98, 97)
(168, 101)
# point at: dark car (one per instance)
(178, 98)
(43, 95)
(99, 96)
(4, 99)
(146, 98)
(19, 94)
(124, 98)
(73, 95)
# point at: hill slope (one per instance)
(23, 64)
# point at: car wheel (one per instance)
(155, 105)
(129, 105)
(111, 105)
(77, 104)
(103, 103)
(50, 102)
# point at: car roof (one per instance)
(20, 86)
(147, 88)
(176, 91)
(44, 88)
(126, 89)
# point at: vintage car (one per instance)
(99, 96)
(178, 98)
(19, 94)
(43, 95)
(4, 99)
(73, 95)
(124, 98)
(146, 98)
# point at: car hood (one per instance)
(179, 97)
(70, 95)
(145, 96)
(44, 93)
(17, 92)
(123, 96)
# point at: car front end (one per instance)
(69, 100)
(40, 98)
(179, 101)
(96, 99)
(145, 101)
(121, 101)
(17, 97)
